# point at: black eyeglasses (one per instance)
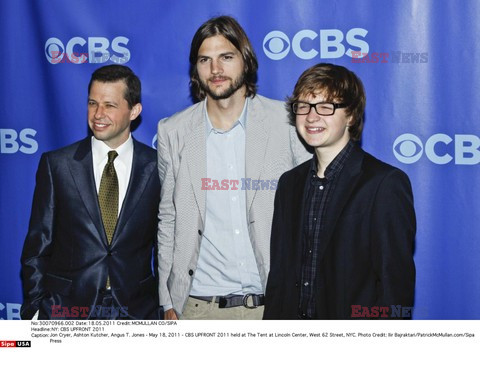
(321, 108)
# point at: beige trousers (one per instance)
(199, 309)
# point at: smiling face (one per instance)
(326, 134)
(109, 116)
(220, 68)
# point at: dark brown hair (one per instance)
(229, 28)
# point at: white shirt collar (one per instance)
(100, 149)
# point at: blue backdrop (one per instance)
(417, 58)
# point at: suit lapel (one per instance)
(196, 158)
(298, 210)
(255, 146)
(141, 173)
(347, 181)
(81, 168)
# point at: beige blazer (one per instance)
(272, 147)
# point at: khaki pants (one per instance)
(199, 309)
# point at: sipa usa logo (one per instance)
(95, 50)
(441, 149)
(308, 44)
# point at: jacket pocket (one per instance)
(146, 285)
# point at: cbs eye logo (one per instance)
(408, 149)
(276, 45)
(54, 49)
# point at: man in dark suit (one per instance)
(344, 223)
(88, 251)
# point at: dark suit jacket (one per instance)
(366, 252)
(66, 258)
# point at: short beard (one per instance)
(234, 87)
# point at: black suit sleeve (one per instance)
(39, 241)
(273, 293)
(393, 236)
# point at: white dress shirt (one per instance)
(123, 165)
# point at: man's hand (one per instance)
(170, 314)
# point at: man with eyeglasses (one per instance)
(344, 223)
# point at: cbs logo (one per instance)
(97, 50)
(277, 45)
(12, 142)
(408, 149)
(10, 311)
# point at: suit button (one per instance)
(200, 232)
(296, 284)
(109, 254)
(190, 272)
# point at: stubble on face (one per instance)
(220, 68)
(235, 85)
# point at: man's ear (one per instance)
(350, 121)
(136, 110)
